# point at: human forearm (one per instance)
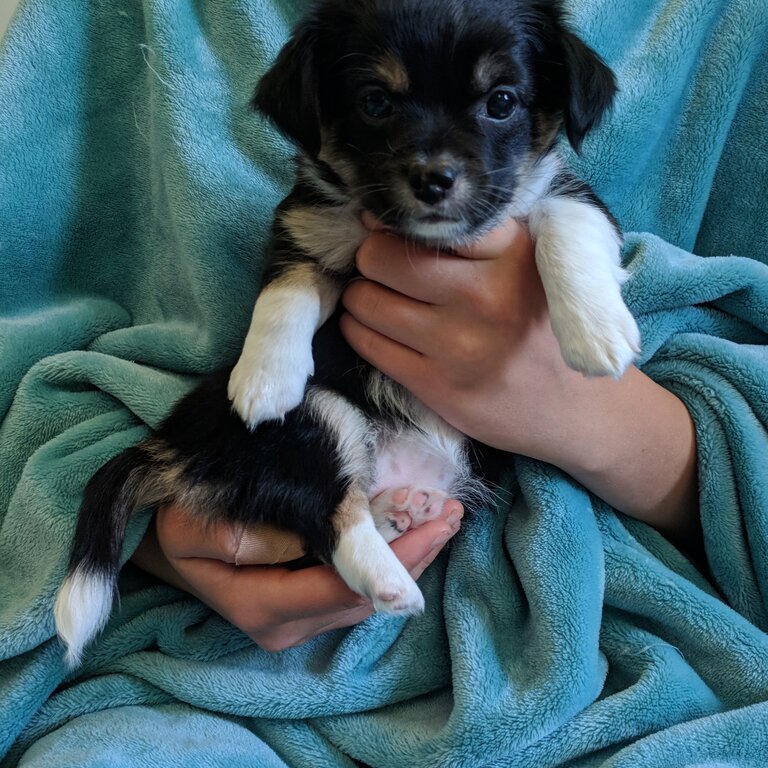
(633, 443)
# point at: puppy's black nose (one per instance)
(431, 182)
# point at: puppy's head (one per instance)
(434, 113)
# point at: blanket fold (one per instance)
(136, 195)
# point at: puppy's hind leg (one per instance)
(358, 551)
(366, 562)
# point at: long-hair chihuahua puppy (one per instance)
(439, 117)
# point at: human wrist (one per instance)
(596, 417)
(635, 447)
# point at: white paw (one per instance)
(266, 384)
(370, 568)
(391, 589)
(598, 340)
(398, 509)
(397, 596)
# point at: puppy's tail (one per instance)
(85, 599)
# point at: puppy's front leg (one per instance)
(276, 361)
(578, 258)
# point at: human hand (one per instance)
(237, 574)
(468, 333)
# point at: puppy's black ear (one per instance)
(287, 93)
(591, 88)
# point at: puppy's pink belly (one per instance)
(409, 461)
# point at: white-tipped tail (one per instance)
(82, 609)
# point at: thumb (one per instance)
(185, 535)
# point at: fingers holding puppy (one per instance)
(426, 274)
(426, 317)
(275, 606)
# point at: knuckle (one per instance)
(469, 348)
(169, 526)
(367, 253)
(274, 642)
(367, 294)
(253, 621)
(367, 346)
(361, 298)
(489, 304)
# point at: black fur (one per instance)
(281, 473)
(289, 472)
(278, 473)
(110, 497)
(318, 77)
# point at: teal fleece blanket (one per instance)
(136, 191)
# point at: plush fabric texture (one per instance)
(136, 192)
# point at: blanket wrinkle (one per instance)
(137, 189)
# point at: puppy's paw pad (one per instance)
(398, 509)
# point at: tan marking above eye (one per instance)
(393, 73)
(487, 70)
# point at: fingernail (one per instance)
(441, 539)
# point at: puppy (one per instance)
(440, 117)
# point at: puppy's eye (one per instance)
(501, 104)
(376, 104)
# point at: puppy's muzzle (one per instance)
(432, 182)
